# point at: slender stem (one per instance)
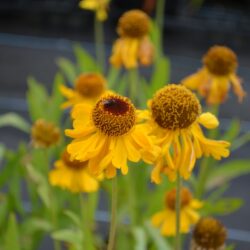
(86, 223)
(177, 209)
(133, 82)
(160, 11)
(99, 42)
(111, 243)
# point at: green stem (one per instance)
(133, 85)
(86, 223)
(177, 209)
(131, 198)
(111, 243)
(99, 42)
(160, 11)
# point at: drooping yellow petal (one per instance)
(238, 90)
(89, 4)
(208, 120)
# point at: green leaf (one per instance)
(2, 151)
(37, 97)
(230, 247)
(228, 171)
(232, 131)
(42, 185)
(12, 235)
(69, 235)
(158, 240)
(240, 141)
(34, 224)
(74, 217)
(68, 69)
(222, 207)
(161, 74)
(55, 110)
(14, 120)
(113, 75)
(140, 238)
(85, 62)
(219, 191)
(122, 85)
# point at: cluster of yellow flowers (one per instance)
(109, 131)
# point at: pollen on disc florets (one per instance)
(74, 164)
(175, 107)
(90, 85)
(170, 199)
(220, 60)
(209, 233)
(134, 23)
(114, 115)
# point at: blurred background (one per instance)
(34, 33)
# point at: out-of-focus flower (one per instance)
(110, 137)
(134, 44)
(166, 219)
(99, 6)
(44, 134)
(175, 120)
(213, 80)
(88, 88)
(209, 234)
(73, 175)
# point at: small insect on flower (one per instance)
(99, 6)
(175, 120)
(44, 134)
(73, 175)
(88, 88)
(110, 137)
(218, 71)
(166, 219)
(134, 44)
(209, 234)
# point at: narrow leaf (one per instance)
(14, 120)
(12, 235)
(68, 68)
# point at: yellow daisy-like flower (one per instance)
(110, 137)
(213, 80)
(73, 175)
(44, 134)
(176, 118)
(166, 219)
(134, 44)
(88, 88)
(99, 6)
(209, 234)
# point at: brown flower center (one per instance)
(175, 107)
(90, 85)
(74, 164)
(220, 60)
(134, 23)
(114, 115)
(209, 233)
(186, 197)
(44, 134)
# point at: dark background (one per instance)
(33, 33)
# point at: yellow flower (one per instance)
(73, 175)
(44, 134)
(166, 219)
(110, 137)
(99, 6)
(175, 119)
(209, 234)
(88, 88)
(213, 80)
(134, 44)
